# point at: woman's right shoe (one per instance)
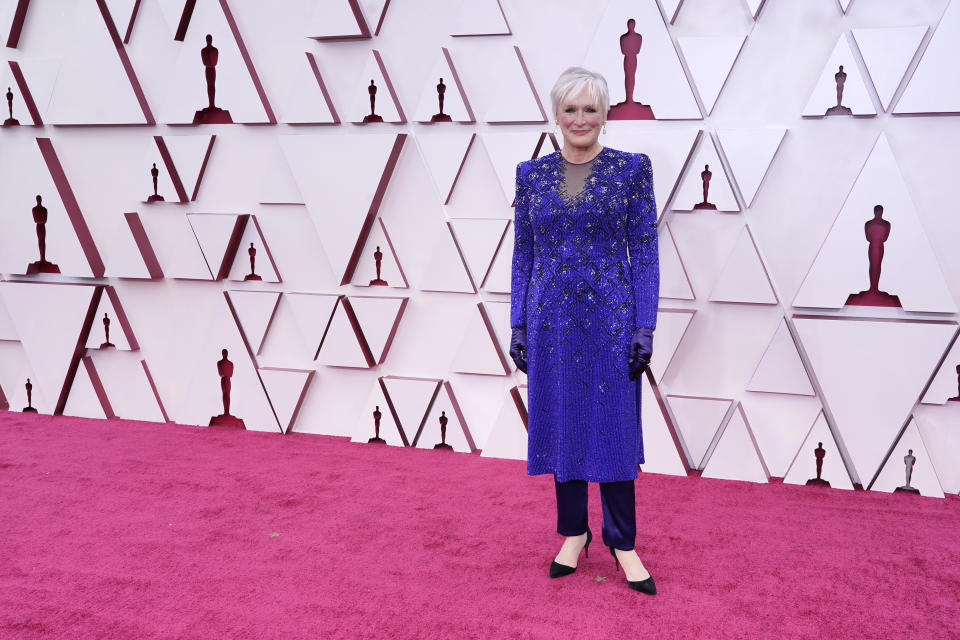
(558, 570)
(643, 586)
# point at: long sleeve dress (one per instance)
(580, 298)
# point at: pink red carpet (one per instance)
(120, 530)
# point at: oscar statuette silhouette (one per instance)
(705, 176)
(29, 408)
(908, 461)
(106, 332)
(372, 116)
(838, 110)
(225, 371)
(630, 43)
(42, 265)
(819, 452)
(877, 231)
(378, 259)
(253, 257)
(154, 173)
(443, 433)
(956, 398)
(211, 114)
(11, 121)
(441, 116)
(376, 425)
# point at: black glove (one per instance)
(641, 348)
(518, 347)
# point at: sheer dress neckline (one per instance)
(588, 183)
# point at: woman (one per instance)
(583, 317)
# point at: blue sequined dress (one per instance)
(580, 299)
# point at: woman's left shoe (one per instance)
(558, 570)
(643, 586)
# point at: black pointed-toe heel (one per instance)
(558, 570)
(643, 586)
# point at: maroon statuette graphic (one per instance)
(29, 408)
(41, 265)
(705, 176)
(441, 116)
(11, 121)
(154, 173)
(443, 433)
(908, 461)
(376, 425)
(877, 231)
(372, 116)
(253, 258)
(957, 397)
(211, 114)
(839, 110)
(819, 452)
(378, 258)
(225, 370)
(106, 333)
(630, 43)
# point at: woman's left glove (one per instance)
(518, 347)
(641, 348)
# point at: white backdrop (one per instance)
(757, 357)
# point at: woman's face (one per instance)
(580, 119)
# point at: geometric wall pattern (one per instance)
(283, 185)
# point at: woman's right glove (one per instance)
(518, 347)
(641, 348)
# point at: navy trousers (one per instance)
(618, 500)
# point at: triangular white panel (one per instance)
(41, 76)
(887, 52)
(321, 165)
(736, 456)
(779, 424)
(780, 370)
(698, 419)
(804, 465)
(844, 5)
(377, 317)
(458, 434)
(854, 94)
(286, 389)
(923, 475)
(456, 105)
(671, 326)
(659, 450)
(938, 428)
(254, 310)
(515, 98)
(445, 270)
(444, 153)
(478, 351)
(691, 189)
(262, 259)
(928, 91)
(750, 152)
(743, 278)
(480, 18)
(365, 425)
(312, 313)
(506, 151)
(498, 278)
(166, 187)
(190, 155)
(126, 385)
(410, 398)
(508, 437)
(366, 269)
(49, 320)
(122, 258)
(83, 401)
(386, 105)
(308, 101)
(478, 239)
(277, 184)
(341, 347)
(173, 239)
(92, 68)
(869, 388)
(235, 88)
(660, 80)
(946, 384)
(674, 282)
(754, 7)
(710, 59)
(214, 232)
(25, 176)
(909, 268)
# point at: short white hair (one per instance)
(574, 79)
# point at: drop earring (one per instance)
(604, 130)
(555, 125)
